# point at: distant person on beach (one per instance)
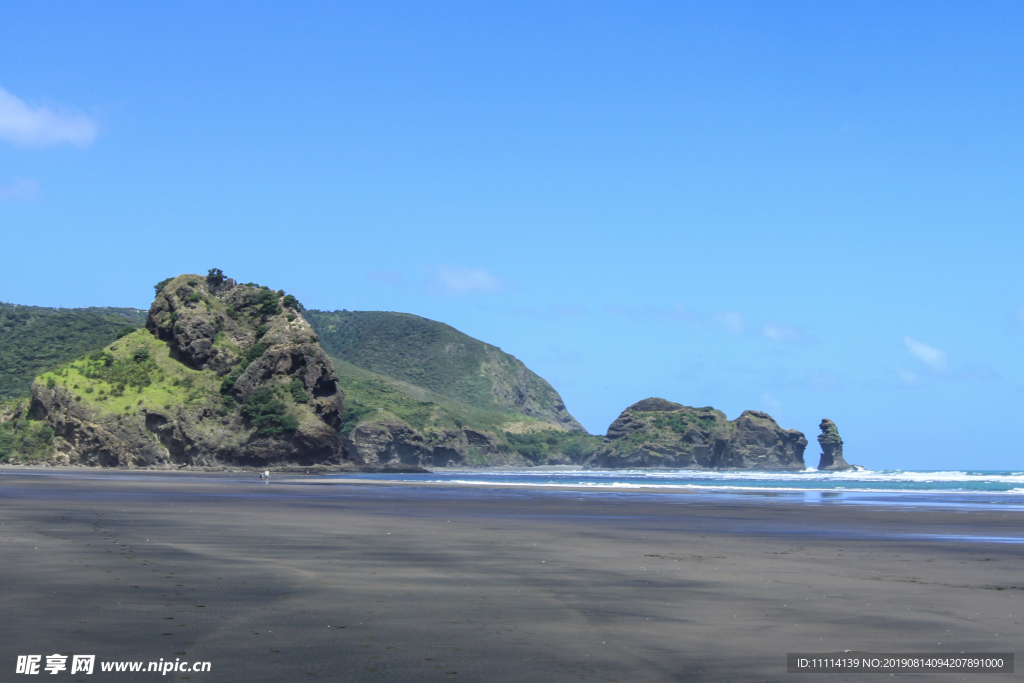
(266, 475)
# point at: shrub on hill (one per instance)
(268, 413)
(538, 447)
(24, 439)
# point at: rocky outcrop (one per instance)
(660, 433)
(388, 442)
(832, 459)
(223, 374)
(760, 444)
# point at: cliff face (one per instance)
(222, 374)
(659, 433)
(832, 459)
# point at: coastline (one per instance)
(422, 583)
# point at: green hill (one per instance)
(416, 392)
(387, 419)
(223, 373)
(437, 357)
(35, 339)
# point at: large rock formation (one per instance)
(223, 374)
(832, 449)
(759, 443)
(659, 433)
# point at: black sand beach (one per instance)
(293, 581)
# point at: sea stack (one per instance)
(660, 433)
(832, 449)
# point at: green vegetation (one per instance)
(680, 422)
(367, 393)
(297, 388)
(137, 370)
(268, 413)
(369, 396)
(431, 355)
(265, 303)
(665, 428)
(215, 277)
(408, 348)
(454, 391)
(248, 356)
(539, 447)
(23, 439)
(34, 340)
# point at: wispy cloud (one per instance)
(556, 312)
(730, 321)
(929, 355)
(773, 406)
(388, 277)
(727, 321)
(676, 312)
(782, 332)
(454, 281)
(443, 280)
(30, 126)
(975, 373)
(908, 378)
(822, 380)
(20, 190)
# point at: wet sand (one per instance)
(292, 581)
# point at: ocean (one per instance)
(866, 481)
(963, 490)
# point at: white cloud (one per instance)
(782, 332)
(30, 126)
(454, 281)
(907, 378)
(20, 190)
(730, 321)
(929, 355)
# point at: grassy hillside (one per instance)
(407, 347)
(34, 339)
(370, 396)
(437, 357)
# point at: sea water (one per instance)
(964, 490)
(863, 481)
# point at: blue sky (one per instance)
(812, 209)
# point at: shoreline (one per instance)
(445, 583)
(753, 497)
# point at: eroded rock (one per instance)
(832, 459)
(659, 433)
